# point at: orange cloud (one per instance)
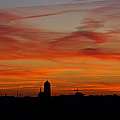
(78, 57)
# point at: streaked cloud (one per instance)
(45, 42)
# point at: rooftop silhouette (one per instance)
(44, 104)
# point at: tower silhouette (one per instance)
(47, 88)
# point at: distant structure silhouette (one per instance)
(47, 90)
(78, 93)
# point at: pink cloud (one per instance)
(23, 42)
(6, 16)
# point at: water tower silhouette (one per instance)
(47, 88)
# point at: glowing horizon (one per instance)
(73, 44)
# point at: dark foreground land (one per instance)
(33, 108)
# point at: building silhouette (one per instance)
(47, 90)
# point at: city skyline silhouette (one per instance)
(59, 58)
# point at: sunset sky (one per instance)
(71, 43)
